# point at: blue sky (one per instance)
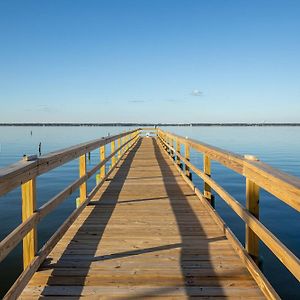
(150, 61)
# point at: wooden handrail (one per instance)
(29, 170)
(22, 171)
(248, 215)
(281, 185)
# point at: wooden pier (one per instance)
(145, 231)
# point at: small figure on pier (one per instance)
(31, 132)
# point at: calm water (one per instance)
(278, 146)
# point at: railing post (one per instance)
(28, 208)
(122, 142)
(119, 145)
(172, 152)
(178, 150)
(82, 188)
(167, 143)
(112, 147)
(187, 157)
(164, 137)
(125, 141)
(207, 189)
(130, 138)
(102, 158)
(252, 204)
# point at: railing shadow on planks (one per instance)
(258, 175)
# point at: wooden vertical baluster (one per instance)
(122, 142)
(28, 208)
(252, 204)
(129, 138)
(119, 145)
(172, 152)
(187, 156)
(113, 148)
(102, 157)
(207, 189)
(125, 141)
(83, 187)
(166, 140)
(178, 150)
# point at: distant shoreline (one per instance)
(145, 124)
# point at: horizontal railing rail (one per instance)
(280, 184)
(258, 175)
(24, 170)
(24, 174)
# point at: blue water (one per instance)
(278, 146)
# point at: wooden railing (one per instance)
(24, 174)
(258, 175)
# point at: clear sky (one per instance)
(150, 61)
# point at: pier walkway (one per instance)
(146, 230)
(145, 233)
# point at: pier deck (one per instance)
(145, 234)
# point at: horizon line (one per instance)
(119, 124)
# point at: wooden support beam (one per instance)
(102, 157)
(82, 172)
(113, 148)
(207, 171)
(252, 205)
(187, 156)
(172, 152)
(119, 145)
(178, 150)
(28, 208)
